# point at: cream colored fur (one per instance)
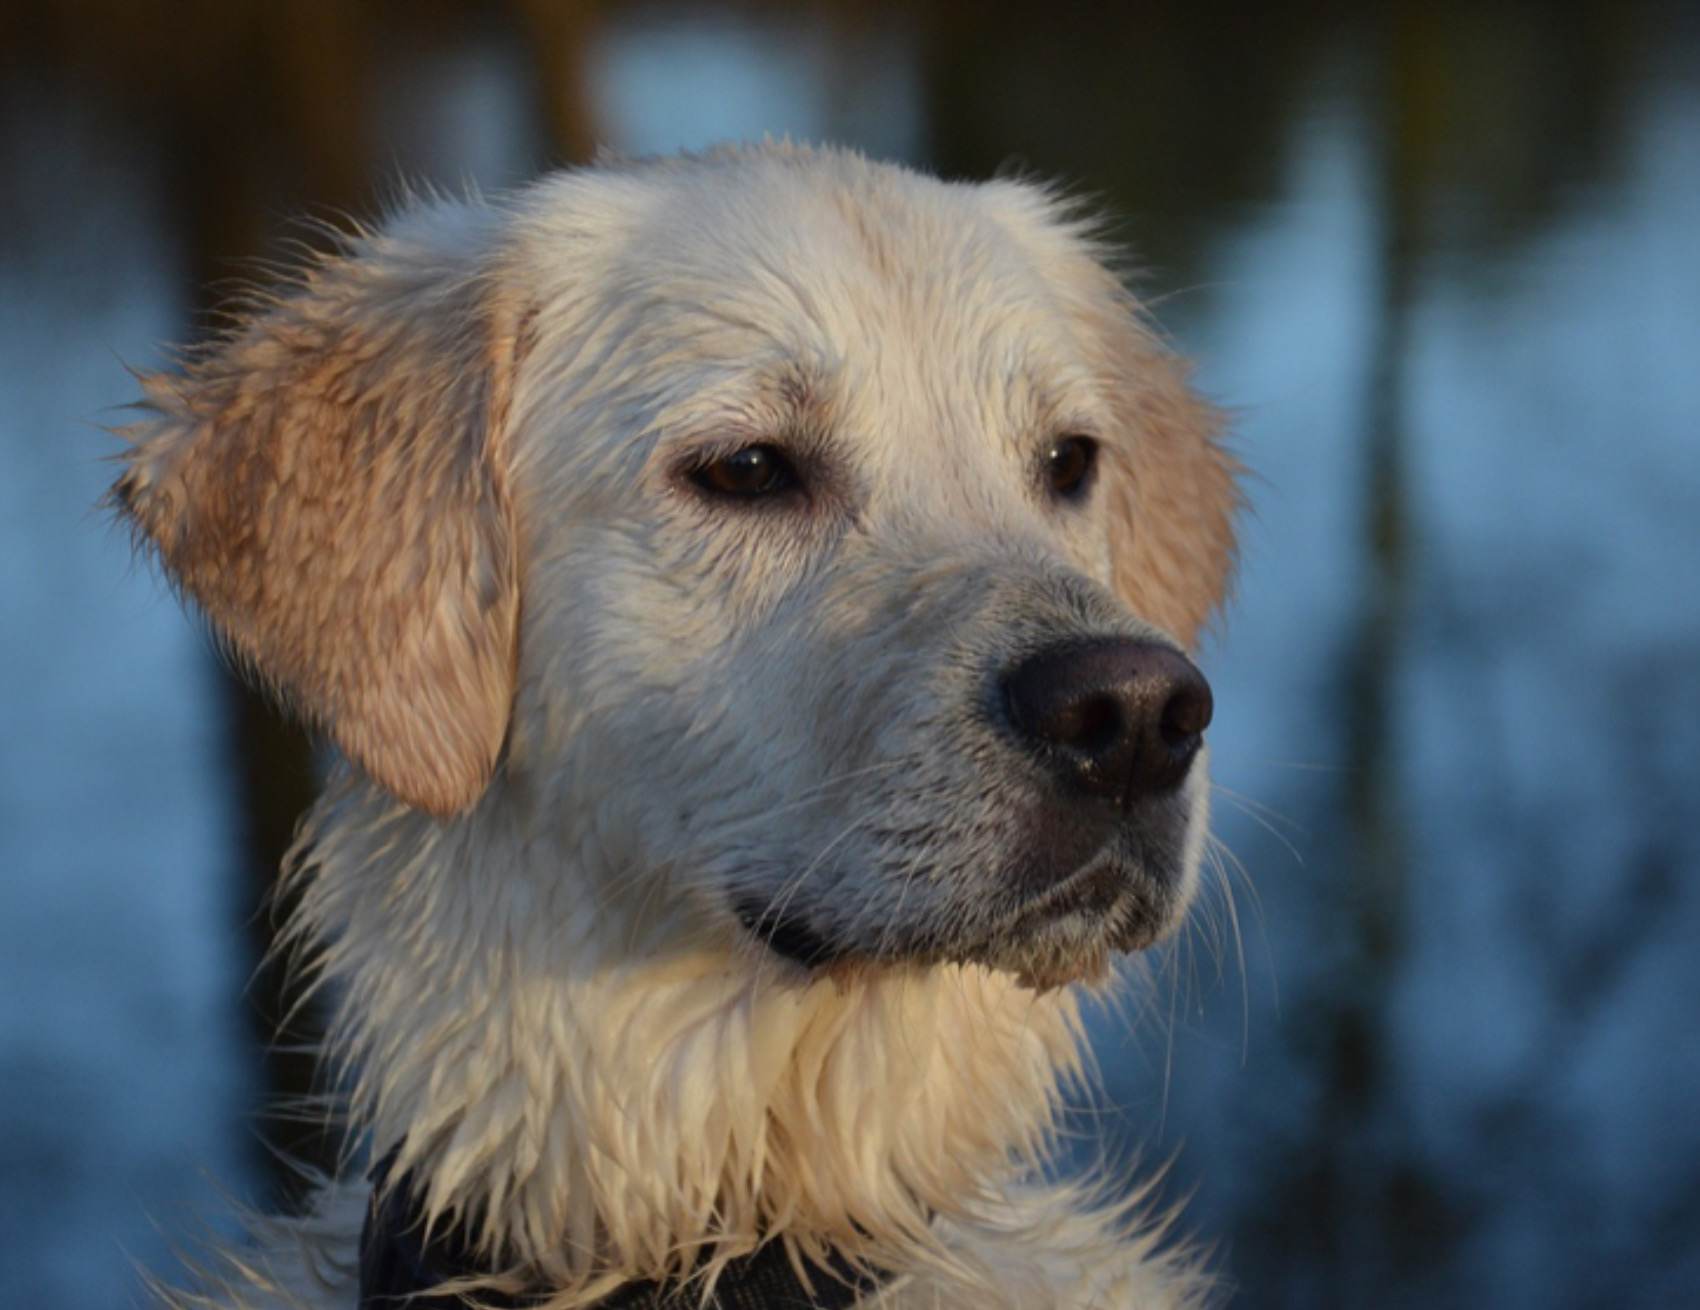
(438, 495)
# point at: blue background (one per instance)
(1433, 1039)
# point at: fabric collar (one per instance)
(399, 1268)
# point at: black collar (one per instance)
(399, 1269)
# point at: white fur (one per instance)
(543, 995)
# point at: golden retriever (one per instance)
(750, 593)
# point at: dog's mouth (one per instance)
(789, 935)
(1049, 930)
(1115, 903)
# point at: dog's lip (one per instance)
(1097, 886)
(788, 934)
(1106, 885)
(1113, 893)
(1071, 930)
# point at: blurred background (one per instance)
(1436, 1038)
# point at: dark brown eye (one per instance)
(747, 474)
(1068, 466)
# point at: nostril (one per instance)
(1186, 715)
(1051, 707)
(1092, 725)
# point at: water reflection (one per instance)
(667, 78)
(1446, 262)
(1483, 982)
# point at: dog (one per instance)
(750, 595)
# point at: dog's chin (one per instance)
(1074, 930)
(1070, 930)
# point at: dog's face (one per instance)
(821, 540)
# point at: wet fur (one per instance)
(438, 497)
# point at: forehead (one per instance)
(908, 301)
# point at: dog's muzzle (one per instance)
(1080, 838)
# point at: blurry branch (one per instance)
(559, 34)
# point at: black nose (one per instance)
(1117, 719)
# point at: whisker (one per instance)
(781, 900)
(809, 795)
(1217, 855)
(1265, 818)
(762, 818)
(1272, 762)
(1233, 867)
(1251, 806)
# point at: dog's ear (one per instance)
(328, 482)
(1170, 485)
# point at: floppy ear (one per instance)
(1171, 485)
(328, 483)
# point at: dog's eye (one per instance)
(1068, 466)
(747, 474)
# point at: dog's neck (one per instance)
(583, 1084)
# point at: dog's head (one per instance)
(813, 546)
